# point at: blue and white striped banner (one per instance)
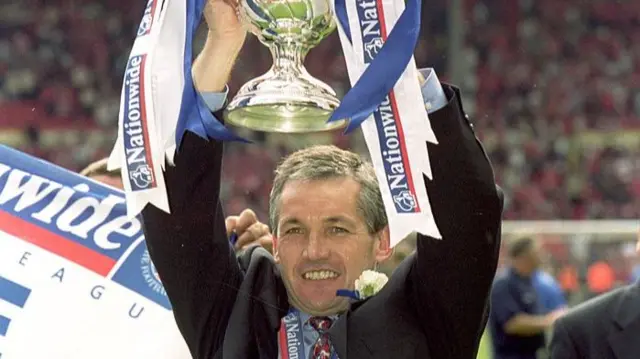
(76, 280)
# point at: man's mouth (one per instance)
(320, 275)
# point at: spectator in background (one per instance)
(605, 327)
(537, 95)
(541, 93)
(569, 280)
(517, 321)
(600, 278)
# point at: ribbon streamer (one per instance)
(195, 116)
(398, 127)
(169, 103)
(353, 294)
(384, 71)
(343, 17)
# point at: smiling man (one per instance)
(329, 225)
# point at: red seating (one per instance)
(557, 111)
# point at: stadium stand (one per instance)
(557, 96)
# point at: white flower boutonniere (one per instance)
(370, 283)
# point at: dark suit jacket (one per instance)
(434, 306)
(606, 327)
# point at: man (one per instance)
(516, 322)
(607, 326)
(98, 171)
(549, 291)
(329, 225)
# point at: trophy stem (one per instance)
(288, 58)
(286, 98)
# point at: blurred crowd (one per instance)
(555, 86)
(558, 89)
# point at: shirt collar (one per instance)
(304, 317)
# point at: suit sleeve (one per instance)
(189, 247)
(451, 278)
(561, 345)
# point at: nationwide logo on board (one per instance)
(147, 18)
(387, 119)
(136, 134)
(78, 220)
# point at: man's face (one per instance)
(323, 244)
(534, 256)
(109, 180)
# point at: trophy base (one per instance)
(294, 105)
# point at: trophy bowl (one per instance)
(286, 99)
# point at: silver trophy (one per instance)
(286, 99)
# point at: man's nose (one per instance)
(317, 247)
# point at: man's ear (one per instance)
(383, 245)
(276, 257)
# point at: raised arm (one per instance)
(452, 277)
(189, 247)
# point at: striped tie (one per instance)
(322, 347)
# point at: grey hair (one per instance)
(327, 162)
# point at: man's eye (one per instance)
(293, 231)
(338, 230)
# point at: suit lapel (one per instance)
(338, 336)
(366, 338)
(261, 302)
(381, 343)
(376, 342)
(375, 331)
(625, 342)
(338, 332)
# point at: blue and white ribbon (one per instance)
(159, 101)
(378, 39)
(387, 57)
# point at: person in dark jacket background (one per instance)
(518, 319)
